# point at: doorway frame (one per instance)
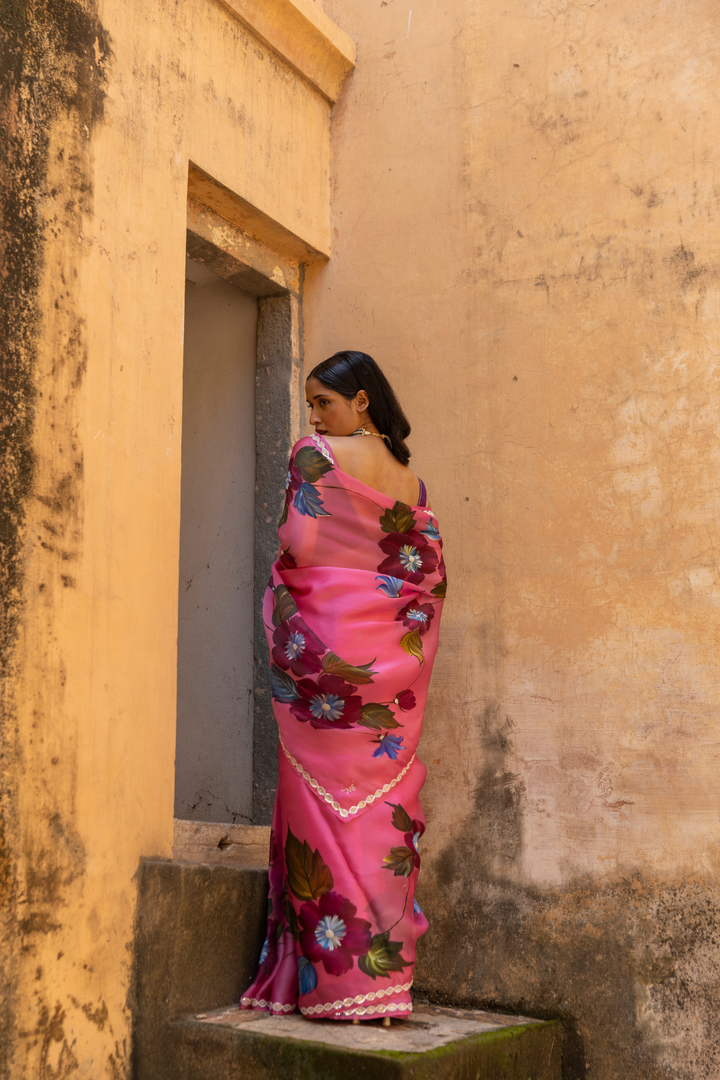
(239, 244)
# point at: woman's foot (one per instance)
(386, 1021)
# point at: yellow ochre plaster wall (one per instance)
(122, 98)
(525, 223)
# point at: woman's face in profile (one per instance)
(331, 413)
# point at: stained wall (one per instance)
(103, 109)
(525, 221)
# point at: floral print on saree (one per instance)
(352, 615)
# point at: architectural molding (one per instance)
(209, 192)
(235, 255)
(303, 36)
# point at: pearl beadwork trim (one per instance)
(327, 797)
(347, 1003)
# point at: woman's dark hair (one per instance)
(349, 372)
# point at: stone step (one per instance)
(198, 937)
(433, 1044)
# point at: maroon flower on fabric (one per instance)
(416, 616)
(327, 703)
(409, 556)
(275, 868)
(406, 700)
(287, 561)
(331, 934)
(297, 648)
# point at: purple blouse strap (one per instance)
(423, 494)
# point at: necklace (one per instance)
(364, 431)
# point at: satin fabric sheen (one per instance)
(352, 613)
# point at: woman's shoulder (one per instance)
(311, 442)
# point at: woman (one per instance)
(351, 613)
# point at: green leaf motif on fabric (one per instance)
(282, 685)
(311, 464)
(400, 519)
(284, 607)
(401, 819)
(283, 516)
(292, 919)
(401, 861)
(412, 644)
(377, 717)
(382, 957)
(333, 665)
(307, 875)
(440, 589)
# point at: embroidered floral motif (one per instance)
(331, 935)
(431, 529)
(409, 556)
(296, 648)
(416, 616)
(306, 468)
(307, 976)
(406, 700)
(329, 702)
(390, 745)
(391, 586)
(403, 860)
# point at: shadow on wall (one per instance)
(620, 961)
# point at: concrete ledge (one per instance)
(220, 844)
(499, 1051)
(199, 932)
(302, 34)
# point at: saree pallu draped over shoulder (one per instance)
(351, 613)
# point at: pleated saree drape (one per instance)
(351, 613)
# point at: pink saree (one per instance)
(351, 613)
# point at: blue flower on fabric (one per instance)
(329, 702)
(307, 975)
(295, 645)
(265, 951)
(308, 502)
(416, 908)
(330, 931)
(391, 586)
(410, 558)
(389, 744)
(416, 616)
(296, 648)
(431, 530)
(327, 707)
(416, 840)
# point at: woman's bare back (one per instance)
(369, 460)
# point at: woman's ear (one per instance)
(361, 401)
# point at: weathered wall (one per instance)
(104, 106)
(526, 237)
(213, 755)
